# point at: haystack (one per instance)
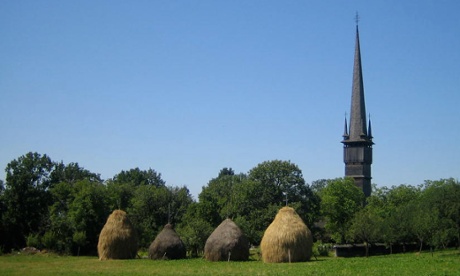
(287, 239)
(167, 245)
(226, 243)
(118, 239)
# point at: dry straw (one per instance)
(227, 243)
(167, 245)
(118, 239)
(287, 239)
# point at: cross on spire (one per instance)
(357, 18)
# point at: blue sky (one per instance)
(189, 87)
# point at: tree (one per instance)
(194, 229)
(79, 238)
(318, 185)
(26, 198)
(283, 177)
(88, 212)
(442, 199)
(65, 191)
(140, 177)
(226, 171)
(253, 200)
(284, 183)
(393, 206)
(340, 200)
(71, 173)
(254, 209)
(122, 186)
(217, 198)
(366, 227)
(152, 207)
(180, 200)
(423, 221)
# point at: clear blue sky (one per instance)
(189, 87)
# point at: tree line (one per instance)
(63, 207)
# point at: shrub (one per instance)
(33, 240)
(321, 249)
(49, 240)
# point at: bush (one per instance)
(33, 240)
(49, 241)
(321, 249)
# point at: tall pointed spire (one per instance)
(358, 130)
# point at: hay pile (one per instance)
(287, 239)
(118, 238)
(167, 245)
(226, 243)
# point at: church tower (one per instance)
(357, 139)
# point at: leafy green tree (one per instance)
(26, 198)
(79, 238)
(88, 212)
(284, 183)
(120, 194)
(423, 221)
(122, 186)
(194, 230)
(66, 188)
(218, 199)
(254, 209)
(152, 207)
(366, 227)
(398, 217)
(442, 200)
(180, 200)
(318, 185)
(145, 212)
(340, 200)
(226, 171)
(60, 224)
(283, 177)
(71, 173)
(140, 177)
(253, 200)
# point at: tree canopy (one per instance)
(62, 207)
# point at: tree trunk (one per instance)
(367, 249)
(421, 245)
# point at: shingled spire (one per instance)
(358, 130)
(357, 143)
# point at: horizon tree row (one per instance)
(63, 207)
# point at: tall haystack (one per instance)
(167, 245)
(287, 239)
(226, 243)
(118, 238)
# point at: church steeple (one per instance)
(357, 142)
(358, 130)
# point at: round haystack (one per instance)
(287, 239)
(118, 238)
(167, 245)
(226, 243)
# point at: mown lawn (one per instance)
(442, 263)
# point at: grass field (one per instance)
(442, 263)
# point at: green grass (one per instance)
(442, 263)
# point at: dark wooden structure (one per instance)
(357, 139)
